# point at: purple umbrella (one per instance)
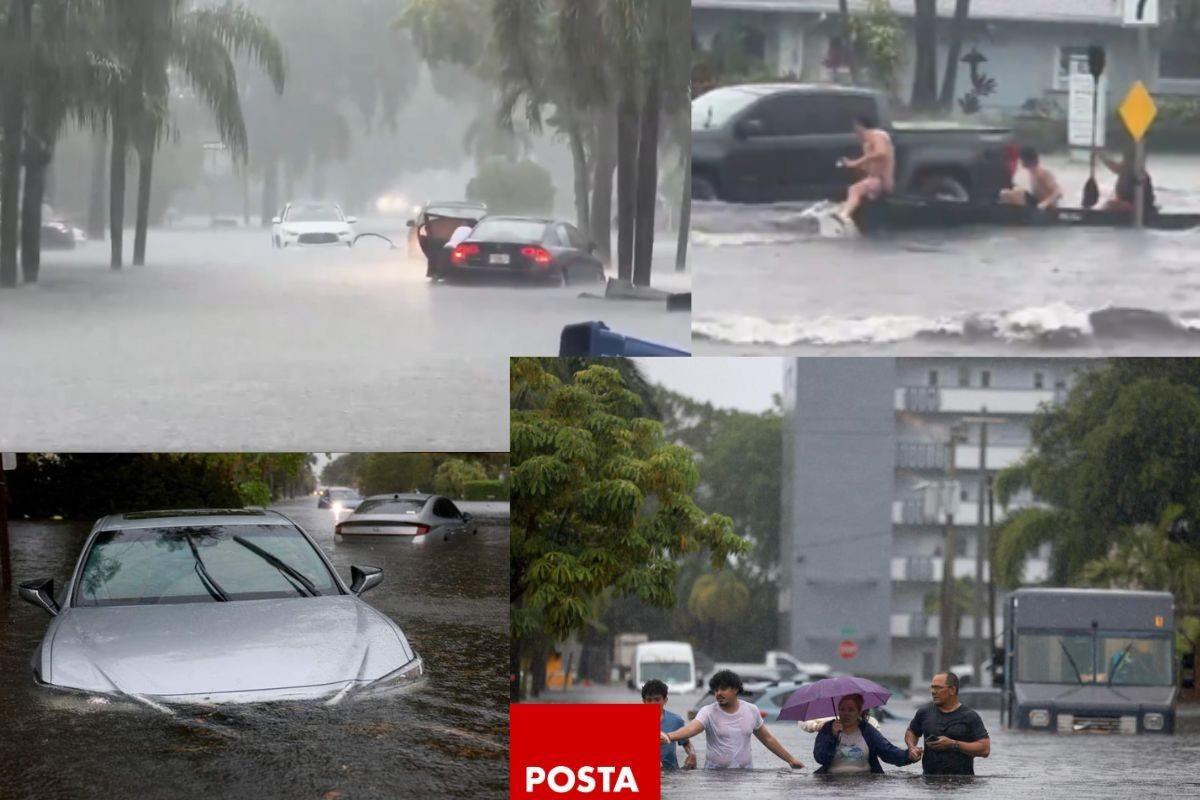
(819, 699)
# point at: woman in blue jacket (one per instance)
(848, 745)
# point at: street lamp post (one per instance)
(947, 636)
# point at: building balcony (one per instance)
(928, 569)
(913, 511)
(934, 455)
(949, 400)
(925, 626)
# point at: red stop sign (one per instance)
(847, 649)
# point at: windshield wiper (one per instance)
(1113, 669)
(1074, 666)
(280, 565)
(213, 588)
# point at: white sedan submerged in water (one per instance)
(214, 607)
(311, 224)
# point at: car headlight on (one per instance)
(1153, 721)
(338, 507)
(1039, 718)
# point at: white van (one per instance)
(670, 662)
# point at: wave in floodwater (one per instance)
(1052, 325)
(733, 226)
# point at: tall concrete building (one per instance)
(868, 460)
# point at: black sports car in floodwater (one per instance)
(525, 247)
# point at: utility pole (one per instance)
(1139, 197)
(978, 652)
(991, 587)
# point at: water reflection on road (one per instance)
(448, 735)
(1023, 766)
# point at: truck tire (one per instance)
(703, 188)
(942, 186)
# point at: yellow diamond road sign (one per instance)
(1138, 111)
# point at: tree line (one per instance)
(112, 66)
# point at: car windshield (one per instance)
(1126, 661)
(713, 109)
(343, 494)
(1054, 658)
(313, 213)
(391, 507)
(509, 230)
(200, 564)
(667, 671)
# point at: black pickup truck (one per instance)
(762, 143)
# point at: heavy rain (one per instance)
(206, 201)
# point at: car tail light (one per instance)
(539, 255)
(421, 529)
(1012, 156)
(337, 530)
(463, 252)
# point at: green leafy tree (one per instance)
(454, 474)
(877, 39)
(508, 188)
(601, 502)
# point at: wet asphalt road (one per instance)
(1022, 765)
(447, 735)
(767, 283)
(222, 343)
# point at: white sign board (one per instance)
(1080, 105)
(8, 461)
(1141, 12)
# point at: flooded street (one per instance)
(1022, 765)
(324, 348)
(768, 284)
(447, 735)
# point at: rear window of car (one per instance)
(390, 507)
(509, 230)
(159, 565)
(458, 212)
(343, 494)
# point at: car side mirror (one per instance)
(467, 517)
(351, 220)
(412, 223)
(750, 128)
(364, 579)
(276, 220)
(41, 594)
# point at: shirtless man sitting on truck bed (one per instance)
(878, 161)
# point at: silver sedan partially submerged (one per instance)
(214, 607)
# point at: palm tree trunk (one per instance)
(583, 216)
(10, 181)
(605, 162)
(647, 177)
(958, 29)
(36, 163)
(685, 214)
(924, 95)
(270, 192)
(145, 176)
(116, 191)
(95, 223)
(627, 148)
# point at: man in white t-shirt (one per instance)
(728, 724)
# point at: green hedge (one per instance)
(485, 490)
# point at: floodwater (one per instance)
(1022, 765)
(310, 349)
(768, 283)
(445, 736)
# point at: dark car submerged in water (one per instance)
(214, 606)
(531, 248)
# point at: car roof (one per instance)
(402, 496)
(456, 204)
(764, 89)
(516, 218)
(190, 516)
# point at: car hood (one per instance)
(317, 227)
(253, 649)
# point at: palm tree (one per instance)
(924, 94)
(962, 11)
(158, 39)
(14, 58)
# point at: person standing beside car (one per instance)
(954, 734)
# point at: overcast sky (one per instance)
(742, 383)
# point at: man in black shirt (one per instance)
(954, 734)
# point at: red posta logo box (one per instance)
(590, 751)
